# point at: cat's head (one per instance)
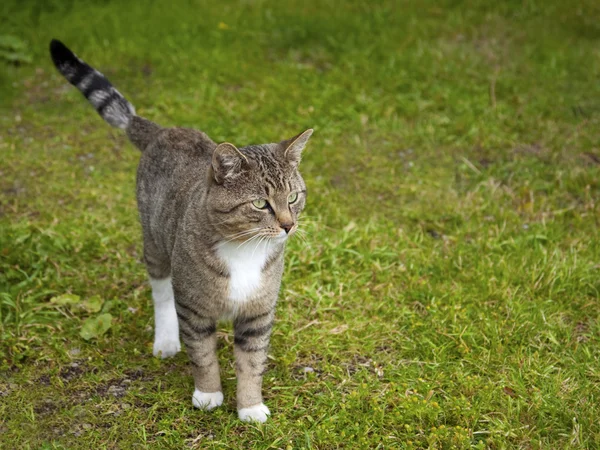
(257, 191)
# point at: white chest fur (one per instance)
(244, 263)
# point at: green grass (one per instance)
(447, 293)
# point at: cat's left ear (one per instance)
(227, 162)
(294, 146)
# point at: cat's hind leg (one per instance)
(166, 325)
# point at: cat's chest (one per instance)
(245, 264)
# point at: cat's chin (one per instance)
(281, 237)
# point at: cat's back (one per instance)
(172, 147)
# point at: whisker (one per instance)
(241, 234)
(302, 231)
(308, 222)
(302, 237)
(259, 242)
(302, 234)
(249, 240)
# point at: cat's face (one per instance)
(257, 192)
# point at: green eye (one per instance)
(292, 197)
(261, 203)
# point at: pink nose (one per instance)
(287, 227)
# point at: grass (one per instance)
(446, 295)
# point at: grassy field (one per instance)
(447, 293)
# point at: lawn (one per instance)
(446, 291)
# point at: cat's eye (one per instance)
(261, 203)
(292, 197)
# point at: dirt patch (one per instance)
(591, 159)
(118, 387)
(540, 153)
(78, 396)
(306, 365)
(46, 407)
(360, 362)
(301, 371)
(138, 375)
(115, 388)
(75, 370)
(385, 349)
(434, 233)
(530, 150)
(582, 332)
(6, 389)
(44, 380)
(317, 59)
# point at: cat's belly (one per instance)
(244, 263)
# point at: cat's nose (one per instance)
(286, 226)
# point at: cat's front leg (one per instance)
(199, 333)
(251, 344)
(166, 327)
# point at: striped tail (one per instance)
(107, 101)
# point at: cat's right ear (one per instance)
(227, 162)
(294, 146)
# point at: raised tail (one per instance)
(107, 101)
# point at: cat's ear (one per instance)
(227, 161)
(294, 146)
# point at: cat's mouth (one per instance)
(277, 237)
(282, 236)
(260, 235)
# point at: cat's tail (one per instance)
(108, 102)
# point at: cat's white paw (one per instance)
(256, 413)
(165, 348)
(207, 400)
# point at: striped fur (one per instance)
(106, 100)
(212, 254)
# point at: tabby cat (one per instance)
(215, 221)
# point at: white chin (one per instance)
(282, 236)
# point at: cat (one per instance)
(215, 221)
